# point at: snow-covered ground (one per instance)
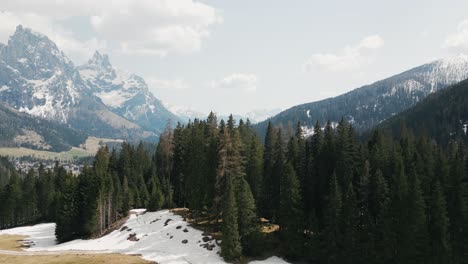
(157, 236)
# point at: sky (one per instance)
(240, 56)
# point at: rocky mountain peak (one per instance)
(35, 55)
(100, 60)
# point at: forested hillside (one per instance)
(47, 134)
(335, 200)
(442, 116)
(369, 105)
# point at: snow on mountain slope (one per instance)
(37, 78)
(124, 93)
(159, 236)
(371, 104)
(259, 115)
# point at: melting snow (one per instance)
(114, 98)
(160, 237)
(4, 88)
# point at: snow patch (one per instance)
(159, 237)
(4, 88)
(272, 260)
(114, 98)
(23, 60)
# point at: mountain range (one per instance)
(38, 79)
(47, 102)
(369, 105)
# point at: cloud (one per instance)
(458, 41)
(351, 58)
(64, 39)
(171, 85)
(237, 82)
(144, 26)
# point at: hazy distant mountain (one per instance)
(255, 116)
(38, 79)
(124, 93)
(259, 115)
(369, 105)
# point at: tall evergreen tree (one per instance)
(231, 248)
(291, 212)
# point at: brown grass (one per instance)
(14, 243)
(74, 259)
(11, 242)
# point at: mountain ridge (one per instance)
(38, 79)
(369, 105)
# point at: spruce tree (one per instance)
(438, 226)
(349, 225)
(231, 248)
(291, 213)
(247, 217)
(268, 183)
(332, 232)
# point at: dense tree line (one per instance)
(334, 199)
(55, 136)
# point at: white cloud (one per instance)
(63, 38)
(237, 82)
(171, 85)
(351, 58)
(458, 41)
(144, 26)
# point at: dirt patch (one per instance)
(132, 237)
(75, 259)
(118, 225)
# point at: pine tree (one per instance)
(231, 248)
(416, 219)
(268, 183)
(277, 173)
(349, 225)
(332, 232)
(380, 219)
(291, 213)
(156, 200)
(438, 226)
(247, 217)
(254, 168)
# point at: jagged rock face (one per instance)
(37, 78)
(369, 105)
(124, 93)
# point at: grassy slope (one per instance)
(12, 242)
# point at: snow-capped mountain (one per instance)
(259, 115)
(124, 93)
(38, 79)
(369, 105)
(186, 113)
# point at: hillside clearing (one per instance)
(162, 236)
